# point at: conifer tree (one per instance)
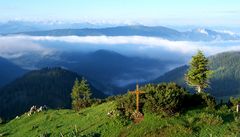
(198, 73)
(75, 95)
(81, 94)
(85, 89)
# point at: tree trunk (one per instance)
(199, 89)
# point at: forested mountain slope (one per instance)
(9, 71)
(225, 80)
(49, 86)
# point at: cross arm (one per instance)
(132, 92)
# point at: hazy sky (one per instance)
(221, 12)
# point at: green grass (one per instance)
(94, 121)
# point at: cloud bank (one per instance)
(138, 45)
(11, 47)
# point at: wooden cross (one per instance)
(137, 92)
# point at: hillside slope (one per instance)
(9, 71)
(225, 81)
(94, 121)
(49, 86)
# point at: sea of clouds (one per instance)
(15, 46)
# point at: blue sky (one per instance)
(187, 12)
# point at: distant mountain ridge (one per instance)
(112, 69)
(14, 26)
(108, 68)
(200, 34)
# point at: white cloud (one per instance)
(141, 45)
(12, 47)
(228, 32)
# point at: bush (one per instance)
(224, 108)
(126, 105)
(236, 117)
(200, 100)
(1, 121)
(209, 101)
(94, 102)
(210, 119)
(122, 120)
(164, 98)
(233, 102)
(81, 103)
(112, 98)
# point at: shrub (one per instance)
(81, 103)
(1, 121)
(94, 102)
(209, 101)
(122, 120)
(164, 98)
(233, 102)
(126, 105)
(236, 117)
(200, 100)
(113, 98)
(224, 108)
(210, 119)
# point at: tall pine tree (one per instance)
(81, 94)
(198, 73)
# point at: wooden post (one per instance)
(137, 92)
(238, 108)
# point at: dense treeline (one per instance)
(226, 77)
(49, 86)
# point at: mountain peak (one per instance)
(202, 30)
(108, 53)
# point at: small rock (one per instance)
(33, 109)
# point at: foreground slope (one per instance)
(49, 86)
(94, 121)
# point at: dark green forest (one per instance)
(48, 86)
